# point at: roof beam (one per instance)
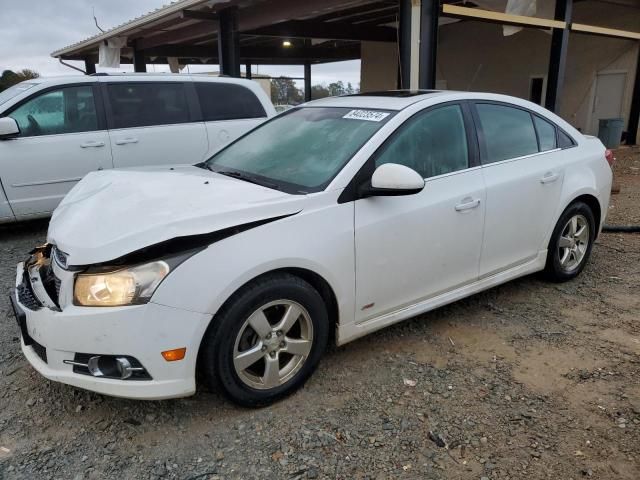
(498, 17)
(197, 30)
(332, 31)
(296, 54)
(607, 32)
(199, 15)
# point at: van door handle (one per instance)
(91, 144)
(549, 177)
(125, 141)
(468, 204)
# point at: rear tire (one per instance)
(266, 340)
(571, 243)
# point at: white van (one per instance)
(54, 131)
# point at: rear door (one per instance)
(62, 138)
(228, 110)
(523, 172)
(154, 123)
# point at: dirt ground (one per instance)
(528, 380)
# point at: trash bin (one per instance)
(610, 131)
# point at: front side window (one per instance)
(431, 143)
(508, 132)
(302, 150)
(67, 110)
(227, 101)
(147, 104)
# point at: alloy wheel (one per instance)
(573, 243)
(273, 344)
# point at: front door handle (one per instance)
(92, 144)
(125, 141)
(468, 204)
(549, 177)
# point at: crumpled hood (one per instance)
(111, 213)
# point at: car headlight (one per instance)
(126, 286)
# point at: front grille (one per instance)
(26, 296)
(50, 282)
(40, 350)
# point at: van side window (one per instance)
(147, 104)
(56, 112)
(227, 101)
(508, 132)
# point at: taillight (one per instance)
(608, 154)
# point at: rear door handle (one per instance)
(549, 177)
(468, 204)
(125, 141)
(92, 144)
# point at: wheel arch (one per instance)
(594, 204)
(317, 281)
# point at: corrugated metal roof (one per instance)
(155, 15)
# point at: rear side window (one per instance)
(508, 132)
(147, 104)
(564, 140)
(546, 134)
(227, 101)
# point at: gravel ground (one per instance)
(528, 380)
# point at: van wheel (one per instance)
(266, 340)
(571, 243)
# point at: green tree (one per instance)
(285, 92)
(319, 91)
(336, 88)
(9, 78)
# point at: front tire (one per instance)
(266, 340)
(571, 243)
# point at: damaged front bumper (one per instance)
(59, 339)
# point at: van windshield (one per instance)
(302, 150)
(11, 92)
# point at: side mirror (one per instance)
(392, 179)
(8, 128)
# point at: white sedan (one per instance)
(344, 215)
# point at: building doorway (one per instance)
(608, 98)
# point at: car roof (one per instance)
(385, 100)
(130, 76)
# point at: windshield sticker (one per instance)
(368, 115)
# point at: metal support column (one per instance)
(229, 42)
(89, 66)
(247, 71)
(558, 55)
(139, 60)
(634, 114)
(307, 81)
(429, 16)
(404, 39)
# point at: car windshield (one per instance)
(302, 150)
(11, 92)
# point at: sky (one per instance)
(32, 29)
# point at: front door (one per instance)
(62, 138)
(410, 248)
(152, 123)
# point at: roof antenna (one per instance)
(93, 9)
